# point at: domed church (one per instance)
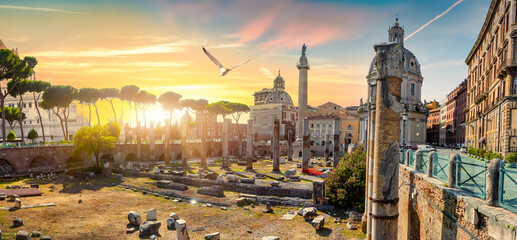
(413, 120)
(270, 104)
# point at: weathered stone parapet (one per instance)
(453, 161)
(445, 213)
(430, 162)
(408, 154)
(418, 160)
(492, 182)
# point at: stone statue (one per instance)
(361, 102)
(304, 49)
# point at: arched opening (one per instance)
(162, 157)
(131, 157)
(6, 168)
(40, 164)
(178, 156)
(349, 138)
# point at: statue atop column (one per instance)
(304, 49)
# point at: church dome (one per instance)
(411, 64)
(279, 96)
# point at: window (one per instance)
(30, 105)
(349, 127)
(412, 89)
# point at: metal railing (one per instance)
(441, 167)
(508, 188)
(471, 176)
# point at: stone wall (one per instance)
(434, 211)
(55, 158)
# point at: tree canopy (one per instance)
(93, 141)
(12, 116)
(169, 101)
(60, 96)
(33, 134)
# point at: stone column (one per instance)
(184, 144)
(226, 124)
(326, 153)
(370, 143)
(202, 125)
(167, 141)
(384, 212)
(408, 154)
(492, 182)
(337, 137)
(453, 160)
(430, 163)
(126, 133)
(303, 66)
(276, 145)
(138, 142)
(290, 139)
(306, 145)
(151, 141)
(249, 146)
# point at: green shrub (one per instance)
(11, 136)
(511, 158)
(345, 185)
(481, 152)
(33, 134)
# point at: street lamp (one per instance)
(404, 119)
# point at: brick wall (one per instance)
(419, 219)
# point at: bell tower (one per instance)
(396, 33)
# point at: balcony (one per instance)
(480, 98)
(508, 63)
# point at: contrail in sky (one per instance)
(434, 19)
(40, 9)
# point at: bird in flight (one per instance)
(224, 70)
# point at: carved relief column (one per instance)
(384, 212)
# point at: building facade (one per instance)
(413, 130)
(491, 111)
(455, 116)
(433, 126)
(270, 104)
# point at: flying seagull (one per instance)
(224, 70)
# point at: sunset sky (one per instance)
(156, 44)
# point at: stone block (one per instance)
(17, 222)
(318, 223)
(309, 213)
(213, 236)
(149, 228)
(18, 203)
(270, 238)
(290, 172)
(181, 230)
(151, 215)
(134, 218)
(45, 237)
(247, 180)
(22, 235)
(216, 191)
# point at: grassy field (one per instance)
(103, 214)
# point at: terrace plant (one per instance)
(511, 158)
(345, 185)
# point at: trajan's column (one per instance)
(303, 66)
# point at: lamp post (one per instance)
(404, 119)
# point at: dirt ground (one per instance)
(104, 208)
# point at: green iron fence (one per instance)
(508, 188)
(441, 167)
(423, 164)
(471, 176)
(402, 155)
(411, 158)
